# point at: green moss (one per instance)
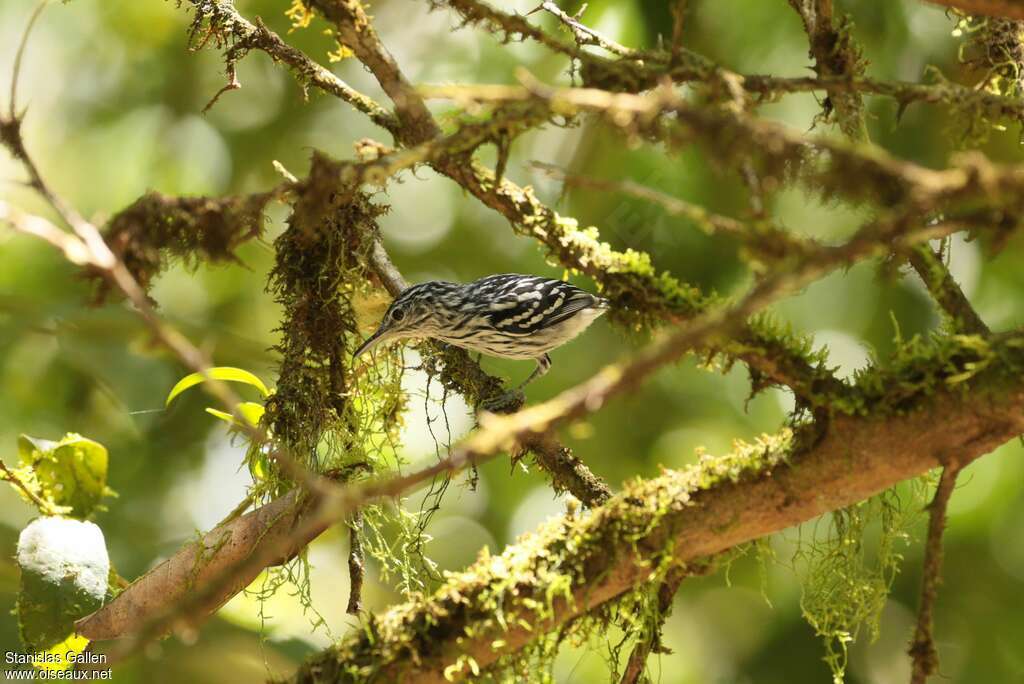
(525, 585)
(922, 366)
(327, 414)
(394, 537)
(845, 578)
(156, 229)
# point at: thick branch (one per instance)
(689, 514)
(160, 590)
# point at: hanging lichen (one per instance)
(846, 572)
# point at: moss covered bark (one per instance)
(577, 563)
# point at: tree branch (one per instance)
(224, 19)
(356, 31)
(835, 54)
(582, 34)
(356, 569)
(937, 278)
(685, 66)
(183, 577)
(925, 658)
(884, 180)
(690, 514)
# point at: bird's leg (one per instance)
(516, 396)
(543, 366)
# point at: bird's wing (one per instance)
(521, 305)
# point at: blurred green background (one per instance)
(115, 104)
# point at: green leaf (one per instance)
(71, 474)
(225, 373)
(250, 410)
(64, 572)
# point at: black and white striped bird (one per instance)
(509, 315)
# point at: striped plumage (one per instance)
(508, 315)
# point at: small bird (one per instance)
(509, 315)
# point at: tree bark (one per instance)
(602, 556)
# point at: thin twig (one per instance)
(924, 657)
(355, 565)
(583, 34)
(7, 474)
(20, 53)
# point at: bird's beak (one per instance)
(372, 341)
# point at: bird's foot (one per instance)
(507, 402)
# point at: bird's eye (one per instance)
(397, 315)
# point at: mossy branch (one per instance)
(841, 77)
(937, 278)
(500, 604)
(156, 228)
(355, 30)
(220, 20)
(835, 54)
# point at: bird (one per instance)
(508, 315)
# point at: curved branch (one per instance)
(160, 590)
(500, 604)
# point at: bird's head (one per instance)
(417, 312)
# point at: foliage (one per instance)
(66, 477)
(849, 572)
(693, 112)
